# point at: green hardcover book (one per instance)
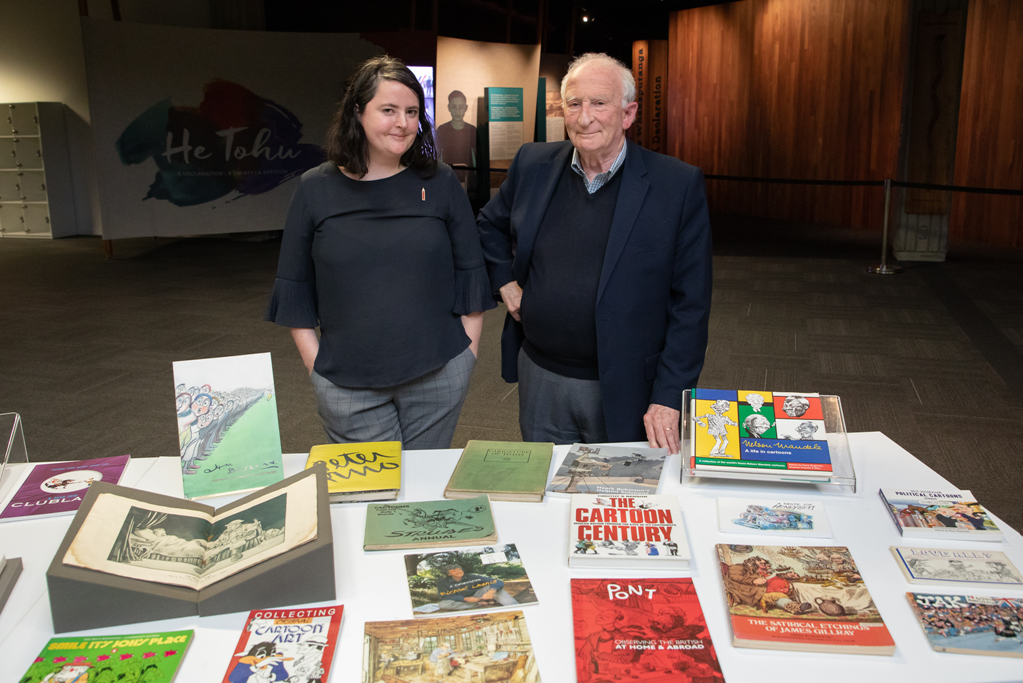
(429, 524)
(142, 657)
(506, 470)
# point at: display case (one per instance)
(842, 472)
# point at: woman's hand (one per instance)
(473, 324)
(308, 345)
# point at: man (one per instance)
(459, 590)
(601, 251)
(456, 139)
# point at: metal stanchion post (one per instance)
(884, 268)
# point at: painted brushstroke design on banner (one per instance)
(235, 141)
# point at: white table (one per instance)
(372, 585)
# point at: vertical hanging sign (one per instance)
(505, 113)
(650, 69)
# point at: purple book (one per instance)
(55, 488)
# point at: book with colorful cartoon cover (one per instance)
(494, 647)
(804, 598)
(228, 432)
(641, 630)
(468, 580)
(778, 517)
(973, 568)
(505, 470)
(948, 513)
(58, 488)
(429, 524)
(769, 434)
(609, 470)
(294, 645)
(970, 624)
(358, 472)
(144, 657)
(622, 532)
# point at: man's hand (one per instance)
(470, 599)
(511, 293)
(662, 425)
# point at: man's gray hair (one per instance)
(624, 72)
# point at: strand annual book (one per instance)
(429, 524)
(358, 472)
(506, 470)
(627, 532)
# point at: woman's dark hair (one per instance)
(346, 139)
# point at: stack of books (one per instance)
(761, 434)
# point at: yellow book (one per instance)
(360, 471)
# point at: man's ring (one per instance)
(667, 429)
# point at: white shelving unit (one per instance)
(35, 172)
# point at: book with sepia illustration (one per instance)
(359, 472)
(805, 598)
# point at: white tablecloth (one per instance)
(371, 586)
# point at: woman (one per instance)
(380, 251)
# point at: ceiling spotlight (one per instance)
(585, 19)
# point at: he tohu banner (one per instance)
(202, 131)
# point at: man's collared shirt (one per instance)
(601, 179)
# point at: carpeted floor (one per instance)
(932, 357)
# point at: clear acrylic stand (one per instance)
(15, 455)
(842, 473)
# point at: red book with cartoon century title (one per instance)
(808, 598)
(641, 630)
(293, 644)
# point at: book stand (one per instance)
(842, 473)
(12, 450)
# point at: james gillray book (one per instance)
(641, 630)
(804, 598)
(143, 657)
(608, 470)
(480, 647)
(228, 433)
(950, 514)
(966, 568)
(57, 488)
(506, 470)
(191, 547)
(358, 472)
(777, 517)
(469, 580)
(294, 645)
(627, 532)
(971, 624)
(763, 433)
(429, 524)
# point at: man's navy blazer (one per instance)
(653, 298)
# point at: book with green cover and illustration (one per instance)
(429, 524)
(149, 657)
(468, 580)
(358, 472)
(506, 470)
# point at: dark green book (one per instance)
(505, 470)
(429, 524)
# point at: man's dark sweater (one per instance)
(560, 293)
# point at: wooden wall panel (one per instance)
(990, 142)
(790, 89)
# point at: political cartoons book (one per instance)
(467, 580)
(429, 524)
(620, 532)
(492, 646)
(57, 488)
(609, 470)
(948, 514)
(776, 517)
(228, 433)
(806, 598)
(973, 568)
(293, 645)
(970, 624)
(150, 657)
(194, 545)
(359, 472)
(759, 432)
(641, 630)
(506, 470)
